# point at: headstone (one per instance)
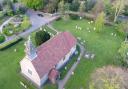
(78, 38)
(76, 52)
(92, 56)
(10, 32)
(76, 27)
(72, 73)
(94, 28)
(15, 50)
(87, 56)
(91, 21)
(65, 68)
(80, 17)
(127, 53)
(40, 28)
(112, 34)
(80, 28)
(44, 29)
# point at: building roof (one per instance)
(52, 51)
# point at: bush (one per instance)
(2, 38)
(126, 10)
(41, 37)
(8, 30)
(74, 17)
(10, 43)
(22, 10)
(26, 23)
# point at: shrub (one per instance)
(10, 43)
(8, 30)
(41, 37)
(22, 10)
(26, 23)
(74, 17)
(2, 38)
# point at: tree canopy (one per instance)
(41, 37)
(109, 78)
(34, 4)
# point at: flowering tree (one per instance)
(109, 78)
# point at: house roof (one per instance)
(52, 51)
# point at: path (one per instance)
(6, 22)
(50, 26)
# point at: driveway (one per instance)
(37, 21)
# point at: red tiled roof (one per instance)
(52, 51)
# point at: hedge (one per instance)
(2, 38)
(10, 43)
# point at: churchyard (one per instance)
(104, 45)
(97, 28)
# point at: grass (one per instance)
(9, 67)
(103, 45)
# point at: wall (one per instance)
(66, 58)
(25, 65)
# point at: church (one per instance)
(44, 62)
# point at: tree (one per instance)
(109, 78)
(51, 5)
(26, 23)
(99, 23)
(61, 7)
(98, 7)
(34, 4)
(123, 51)
(122, 28)
(118, 6)
(75, 5)
(109, 11)
(82, 8)
(41, 37)
(2, 38)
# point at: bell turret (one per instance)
(31, 52)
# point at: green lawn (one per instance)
(103, 44)
(9, 67)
